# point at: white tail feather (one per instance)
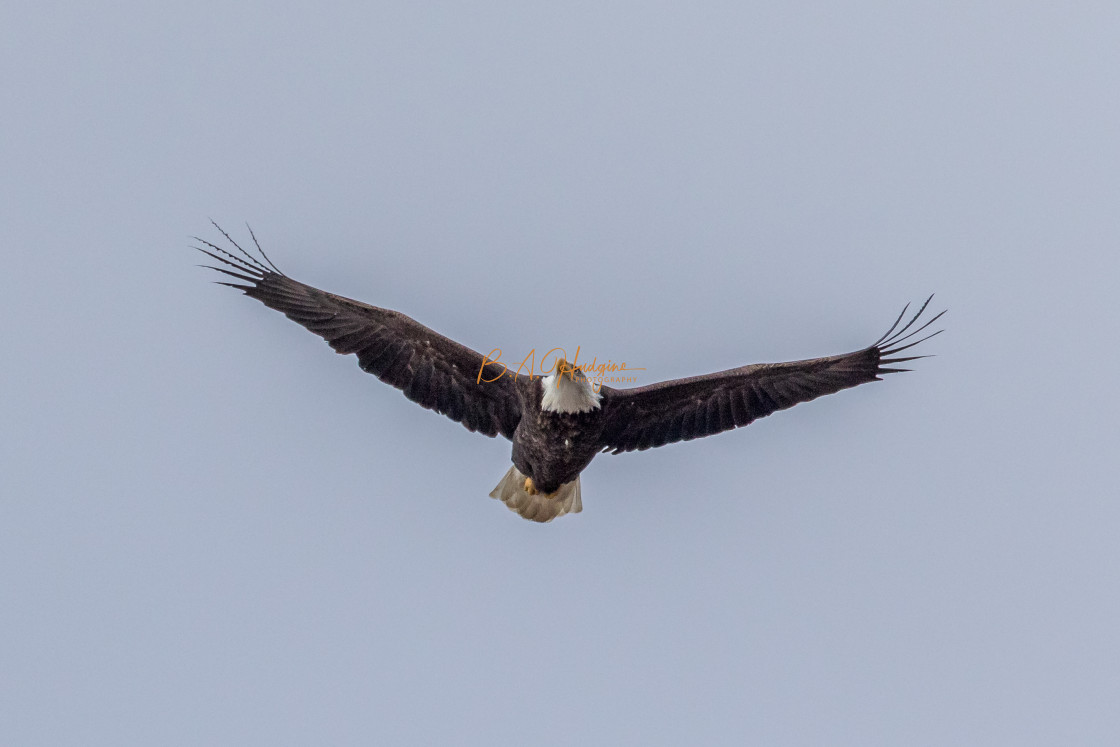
(540, 507)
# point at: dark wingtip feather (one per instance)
(903, 359)
(894, 347)
(261, 250)
(244, 266)
(227, 272)
(890, 344)
(893, 326)
(252, 260)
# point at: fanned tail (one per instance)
(511, 491)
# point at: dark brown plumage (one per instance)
(431, 370)
(552, 445)
(684, 409)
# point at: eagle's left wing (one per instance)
(432, 370)
(684, 409)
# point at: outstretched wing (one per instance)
(432, 370)
(684, 409)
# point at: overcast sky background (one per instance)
(213, 530)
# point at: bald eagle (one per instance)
(558, 422)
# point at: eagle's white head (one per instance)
(567, 390)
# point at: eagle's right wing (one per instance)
(684, 409)
(432, 370)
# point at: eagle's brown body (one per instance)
(553, 447)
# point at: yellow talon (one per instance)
(531, 489)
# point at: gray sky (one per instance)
(215, 531)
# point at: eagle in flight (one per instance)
(558, 422)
